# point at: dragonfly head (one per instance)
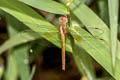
(63, 19)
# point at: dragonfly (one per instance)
(62, 31)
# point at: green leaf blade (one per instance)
(47, 5)
(113, 15)
(83, 61)
(98, 49)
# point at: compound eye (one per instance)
(63, 19)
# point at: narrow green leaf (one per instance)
(32, 73)
(47, 5)
(83, 61)
(85, 1)
(17, 40)
(11, 73)
(102, 10)
(105, 78)
(22, 60)
(98, 49)
(118, 51)
(17, 65)
(2, 67)
(113, 15)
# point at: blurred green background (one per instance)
(30, 44)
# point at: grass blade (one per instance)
(17, 40)
(47, 5)
(12, 72)
(32, 73)
(21, 55)
(113, 15)
(83, 61)
(98, 49)
(102, 9)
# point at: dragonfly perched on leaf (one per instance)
(61, 32)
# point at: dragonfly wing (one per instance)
(89, 35)
(42, 28)
(95, 32)
(80, 34)
(38, 33)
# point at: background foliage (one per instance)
(32, 28)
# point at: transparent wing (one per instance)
(95, 32)
(49, 31)
(34, 33)
(40, 36)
